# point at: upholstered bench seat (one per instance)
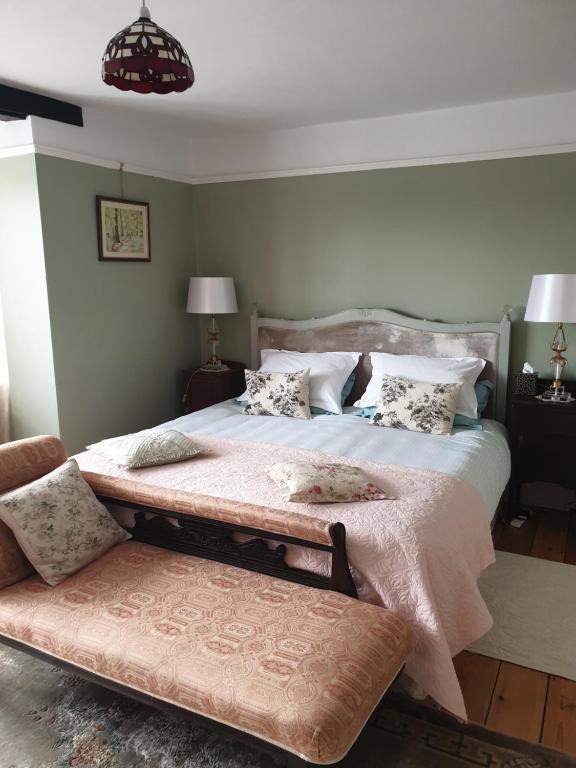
(296, 666)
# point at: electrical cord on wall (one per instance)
(122, 180)
(186, 395)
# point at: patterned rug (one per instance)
(50, 719)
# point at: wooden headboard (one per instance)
(381, 330)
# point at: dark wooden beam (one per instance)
(18, 103)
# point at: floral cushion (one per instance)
(325, 483)
(147, 449)
(59, 523)
(416, 405)
(278, 394)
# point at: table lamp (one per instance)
(552, 299)
(212, 296)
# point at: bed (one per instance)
(421, 553)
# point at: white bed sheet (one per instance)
(481, 458)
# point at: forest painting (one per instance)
(123, 230)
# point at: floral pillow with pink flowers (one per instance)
(325, 483)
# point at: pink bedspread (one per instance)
(419, 554)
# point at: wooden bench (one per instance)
(186, 618)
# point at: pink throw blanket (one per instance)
(419, 554)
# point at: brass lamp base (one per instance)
(214, 363)
(214, 366)
(558, 362)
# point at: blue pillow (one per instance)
(365, 413)
(346, 389)
(483, 391)
(482, 388)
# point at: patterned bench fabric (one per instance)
(25, 460)
(14, 565)
(212, 507)
(21, 462)
(298, 667)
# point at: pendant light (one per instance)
(145, 58)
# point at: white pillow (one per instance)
(433, 370)
(148, 448)
(329, 371)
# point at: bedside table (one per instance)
(543, 444)
(204, 388)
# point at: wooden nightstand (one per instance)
(543, 444)
(204, 388)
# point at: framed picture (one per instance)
(123, 230)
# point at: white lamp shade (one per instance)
(211, 296)
(552, 299)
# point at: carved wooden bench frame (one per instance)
(214, 540)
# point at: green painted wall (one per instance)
(120, 331)
(95, 348)
(33, 404)
(449, 242)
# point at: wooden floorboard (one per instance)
(519, 702)
(518, 540)
(559, 728)
(497, 531)
(570, 553)
(511, 699)
(551, 535)
(477, 675)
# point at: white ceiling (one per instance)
(269, 64)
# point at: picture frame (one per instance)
(123, 229)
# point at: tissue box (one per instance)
(524, 383)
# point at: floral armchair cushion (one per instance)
(59, 523)
(324, 483)
(278, 394)
(416, 405)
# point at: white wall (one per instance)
(499, 129)
(33, 403)
(149, 144)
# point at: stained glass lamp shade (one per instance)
(145, 58)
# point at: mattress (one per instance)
(479, 457)
(419, 553)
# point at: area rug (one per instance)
(533, 604)
(51, 719)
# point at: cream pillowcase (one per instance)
(324, 483)
(329, 372)
(278, 394)
(435, 370)
(149, 448)
(59, 523)
(416, 405)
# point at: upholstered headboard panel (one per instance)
(380, 330)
